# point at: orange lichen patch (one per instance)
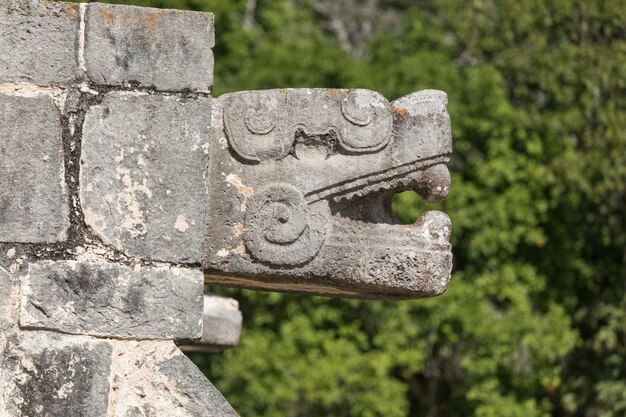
(399, 112)
(72, 11)
(282, 91)
(150, 22)
(331, 92)
(108, 16)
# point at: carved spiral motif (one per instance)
(370, 116)
(281, 228)
(254, 125)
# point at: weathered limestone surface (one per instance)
(48, 375)
(7, 288)
(300, 187)
(152, 379)
(113, 300)
(143, 172)
(99, 275)
(33, 199)
(221, 327)
(38, 41)
(167, 49)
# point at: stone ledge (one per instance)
(221, 325)
(112, 300)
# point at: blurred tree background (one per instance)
(534, 321)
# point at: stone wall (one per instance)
(104, 119)
(125, 187)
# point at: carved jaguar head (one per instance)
(299, 192)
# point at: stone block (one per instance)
(38, 41)
(143, 166)
(167, 49)
(7, 300)
(221, 325)
(49, 375)
(155, 379)
(113, 300)
(33, 198)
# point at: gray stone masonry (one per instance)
(47, 375)
(221, 325)
(33, 199)
(154, 379)
(113, 300)
(142, 177)
(38, 42)
(125, 187)
(166, 49)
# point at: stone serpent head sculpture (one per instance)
(300, 186)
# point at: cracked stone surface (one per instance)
(166, 49)
(143, 167)
(113, 300)
(33, 198)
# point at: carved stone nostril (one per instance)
(434, 183)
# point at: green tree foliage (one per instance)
(534, 321)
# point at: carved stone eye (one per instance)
(281, 229)
(261, 114)
(357, 108)
(370, 120)
(254, 123)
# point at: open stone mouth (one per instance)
(368, 210)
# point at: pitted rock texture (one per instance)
(33, 198)
(113, 300)
(153, 379)
(221, 325)
(300, 187)
(143, 167)
(38, 41)
(7, 300)
(49, 375)
(166, 49)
